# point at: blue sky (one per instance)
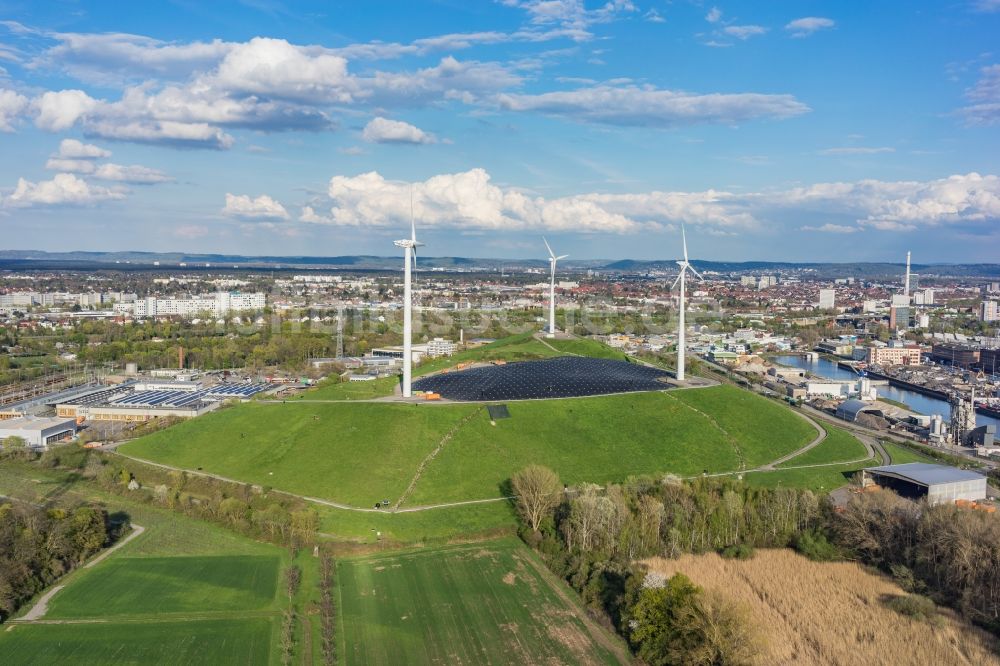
(816, 131)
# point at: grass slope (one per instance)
(475, 604)
(364, 452)
(903, 454)
(586, 347)
(765, 429)
(839, 446)
(354, 453)
(587, 439)
(209, 642)
(152, 585)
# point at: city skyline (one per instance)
(820, 132)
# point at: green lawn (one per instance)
(182, 592)
(433, 526)
(819, 479)
(334, 389)
(152, 585)
(765, 429)
(585, 439)
(839, 446)
(209, 642)
(586, 347)
(355, 453)
(474, 604)
(903, 454)
(362, 453)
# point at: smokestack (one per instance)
(906, 285)
(180, 357)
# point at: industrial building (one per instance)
(939, 484)
(38, 432)
(849, 410)
(958, 355)
(143, 401)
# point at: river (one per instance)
(917, 401)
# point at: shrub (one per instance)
(914, 606)
(740, 551)
(814, 545)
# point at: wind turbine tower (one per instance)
(685, 266)
(409, 246)
(552, 288)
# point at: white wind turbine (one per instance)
(552, 288)
(409, 246)
(685, 267)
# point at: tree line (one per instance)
(39, 545)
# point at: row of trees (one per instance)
(39, 545)
(327, 610)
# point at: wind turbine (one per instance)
(409, 246)
(552, 288)
(685, 267)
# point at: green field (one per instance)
(765, 430)
(356, 453)
(209, 642)
(586, 347)
(362, 453)
(839, 446)
(904, 454)
(586, 439)
(154, 585)
(182, 592)
(474, 604)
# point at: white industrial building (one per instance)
(37, 432)
(939, 484)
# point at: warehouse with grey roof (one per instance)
(939, 484)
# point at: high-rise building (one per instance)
(827, 299)
(989, 311)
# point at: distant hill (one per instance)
(41, 260)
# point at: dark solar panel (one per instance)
(498, 412)
(562, 377)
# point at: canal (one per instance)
(918, 402)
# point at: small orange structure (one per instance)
(499, 361)
(432, 396)
(80, 420)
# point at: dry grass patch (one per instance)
(831, 613)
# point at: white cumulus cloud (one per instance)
(383, 130)
(134, 173)
(262, 208)
(470, 200)
(64, 189)
(57, 111)
(71, 149)
(11, 106)
(803, 27)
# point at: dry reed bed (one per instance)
(831, 613)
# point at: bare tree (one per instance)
(537, 490)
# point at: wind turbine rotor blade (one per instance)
(551, 253)
(674, 285)
(685, 241)
(562, 256)
(696, 273)
(413, 226)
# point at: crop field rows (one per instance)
(472, 604)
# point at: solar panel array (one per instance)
(561, 377)
(175, 398)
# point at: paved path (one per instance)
(820, 436)
(42, 605)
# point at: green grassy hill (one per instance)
(361, 453)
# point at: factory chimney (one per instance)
(180, 357)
